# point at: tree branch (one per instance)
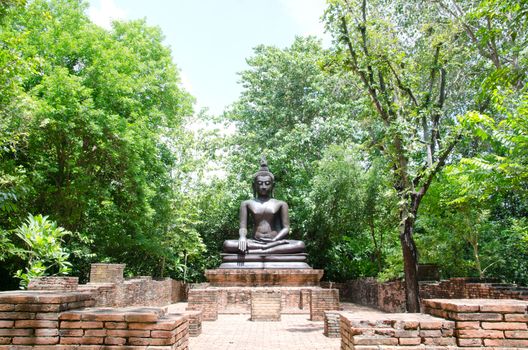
(371, 90)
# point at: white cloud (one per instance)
(103, 12)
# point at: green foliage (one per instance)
(43, 253)
(352, 213)
(92, 121)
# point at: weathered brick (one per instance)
(127, 333)
(70, 324)
(6, 324)
(504, 307)
(35, 340)
(367, 340)
(95, 332)
(139, 341)
(469, 342)
(162, 334)
(516, 317)
(115, 325)
(17, 316)
(52, 316)
(115, 341)
(12, 332)
(480, 333)
(71, 332)
(476, 316)
(431, 333)
(439, 341)
(38, 307)
(70, 316)
(7, 307)
(162, 341)
(81, 340)
(36, 324)
(141, 317)
(46, 332)
(518, 343)
(431, 324)
(516, 334)
(504, 325)
(468, 325)
(409, 341)
(115, 317)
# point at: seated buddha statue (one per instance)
(271, 225)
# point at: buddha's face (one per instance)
(264, 185)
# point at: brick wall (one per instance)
(405, 331)
(54, 283)
(39, 318)
(322, 300)
(390, 296)
(205, 300)
(331, 324)
(128, 326)
(32, 317)
(106, 273)
(236, 300)
(484, 322)
(498, 324)
(111, 289)
(266, 305)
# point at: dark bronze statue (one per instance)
(271, 225)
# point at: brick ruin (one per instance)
(468, 324)
(109, 312)
(390, 296)
(264, 294)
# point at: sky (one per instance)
(211, 39)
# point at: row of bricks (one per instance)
(505, 307)
(398, 324)
(478, 316)
(42, 298)
(100, 337)
(183, 345)
(32, 307)
(37, 324)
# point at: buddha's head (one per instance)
(263, 180)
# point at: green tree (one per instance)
(95, 149)
(402, 67)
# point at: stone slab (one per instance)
(244, 277)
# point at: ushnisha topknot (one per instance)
(264, 170)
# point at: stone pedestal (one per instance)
(263, 277)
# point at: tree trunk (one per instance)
(410, 264)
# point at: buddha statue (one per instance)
(269, 247)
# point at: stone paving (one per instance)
(293, 332)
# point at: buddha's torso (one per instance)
(266, 218)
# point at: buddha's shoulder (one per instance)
(279, 202)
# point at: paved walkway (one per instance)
(293, 332)
(237, 332)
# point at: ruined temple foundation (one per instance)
(265, 294)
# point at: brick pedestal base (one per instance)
(263, 277)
